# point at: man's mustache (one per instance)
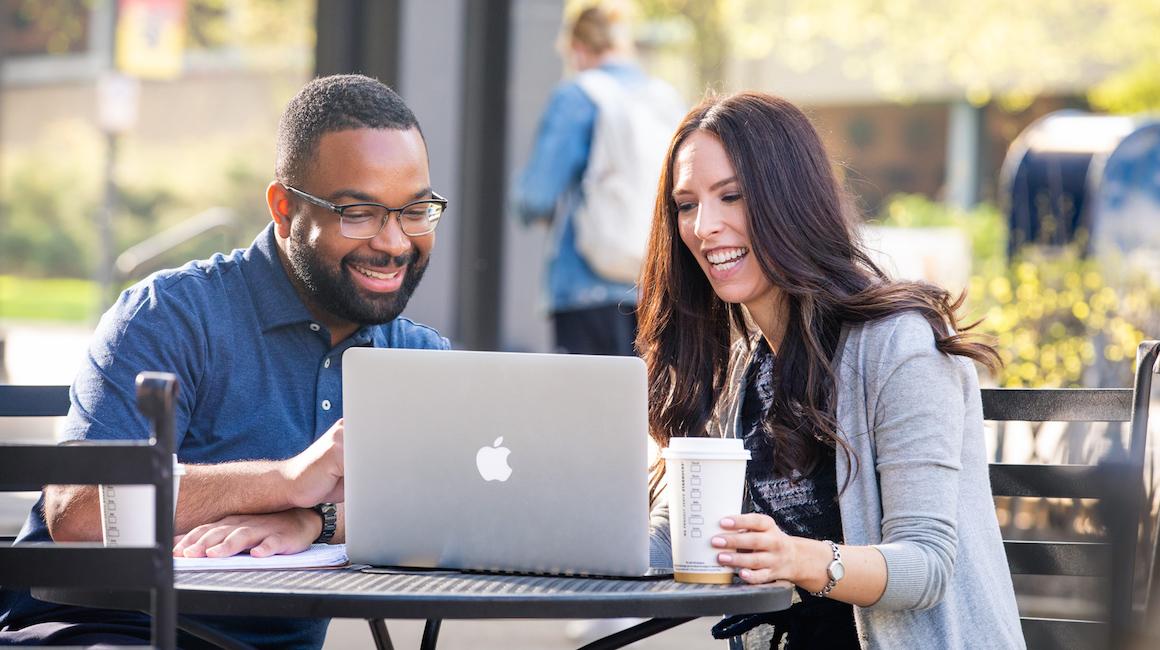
(385, 260)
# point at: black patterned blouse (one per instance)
(802, 506)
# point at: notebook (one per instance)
(496, 461)
(316, 557)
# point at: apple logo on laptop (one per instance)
(492, 462)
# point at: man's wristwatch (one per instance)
(836, 571)
(329, 514)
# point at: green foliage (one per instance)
(50, 197)
(1136, 90)
(263, 32)
(983, 225)
(1057, 318)
(59, 299)
(712, 34)
(51, 201)
(982, 48)
(1058, 323)
(61, 21)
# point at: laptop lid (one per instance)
(496, 461)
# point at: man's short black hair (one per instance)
(334, 103)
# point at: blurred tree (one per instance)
(1058, 318)
(1135, 90)
(59, 26)
(33, 27)
(985, 47)
(244, 24)
(47, 232)
(707, 22)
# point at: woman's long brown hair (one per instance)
(802, 236)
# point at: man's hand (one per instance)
(315, 475)
(279, 533)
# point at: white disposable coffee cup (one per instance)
(127, 511)
(706, 482)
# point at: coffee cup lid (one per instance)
(705, 449)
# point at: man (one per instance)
(256, 339)
(577, 179)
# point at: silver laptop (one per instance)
(496, 461)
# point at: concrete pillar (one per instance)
(535, 70)
(431, 81)
(962, 166)
(477, 81)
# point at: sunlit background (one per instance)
(1010, 149)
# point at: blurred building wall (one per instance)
(535, 70)
(430, 80)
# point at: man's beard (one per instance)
(335, 291)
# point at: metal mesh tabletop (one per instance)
(350, 593)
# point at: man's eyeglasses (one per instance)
(365, 220)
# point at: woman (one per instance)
(856, 395)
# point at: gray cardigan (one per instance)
(921, 492)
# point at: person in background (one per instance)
(762, 318)
(592, 176)
(256, 338)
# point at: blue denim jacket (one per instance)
(548, 189)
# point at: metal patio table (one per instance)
(437, 595)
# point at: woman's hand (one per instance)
(278, 533)
(758, 548)
(763, 553)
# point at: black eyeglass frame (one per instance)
(398, 212)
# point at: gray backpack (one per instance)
(629, 142)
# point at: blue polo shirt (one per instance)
(258, 379)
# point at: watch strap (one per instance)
(329, 514)
(833, 582)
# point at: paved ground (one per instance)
(509, 635)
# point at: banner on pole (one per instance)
(150, 38)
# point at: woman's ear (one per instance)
(278, 201)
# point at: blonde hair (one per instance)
(592, 29)
(599, 29)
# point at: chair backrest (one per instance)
(1117, 482)
(81, 565)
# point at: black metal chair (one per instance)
(1117, 482)
(92, 565)
(31, 402)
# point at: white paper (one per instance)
(318, 555)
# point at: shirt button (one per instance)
(325, 405)
(314, 327)
(326, 364)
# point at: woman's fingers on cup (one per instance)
(755, 568)
(757, 576)
(751, 521)
(744, 541)
(748, 560)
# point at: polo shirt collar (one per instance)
(274, 296)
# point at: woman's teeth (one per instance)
(724, 259)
